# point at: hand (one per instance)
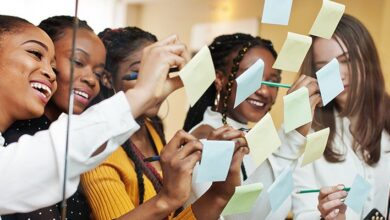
(331, 202)
(152, 84)
(226, 189)
(178, 159)
(314, 97)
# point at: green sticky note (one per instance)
(263, 139)
(297, 110)
(198, 75)
(327, 19)
(293, 52)
(243, 199)
(315, 146)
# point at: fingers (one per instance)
(181, 137)
(171, 85)
(325, 191)
(331, 200)
(188, 149)
(169, 40)
(315, 101)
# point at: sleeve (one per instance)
(304, 206)
(32, 169)
(186, 214)
(106, 192)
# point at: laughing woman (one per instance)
(32, 168)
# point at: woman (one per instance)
(124, 183)
(359, 140)
(28, 80)
(232, 55)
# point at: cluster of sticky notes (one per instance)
(358, 194)
(249, 81)
(281, 189)
(327, 19)
(263, 139)
(243, 199)
(315, 146)
(277, 12)
(198, 75)
(329, 81)
(215, 162)
(297, 110)
(293, 52)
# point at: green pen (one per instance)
(317, 190)
(275, 84)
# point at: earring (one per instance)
(216, 101)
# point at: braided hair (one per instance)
(120, 43)
(221, 48)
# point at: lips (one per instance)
(82, 96)
(255, 102)
(42, 89)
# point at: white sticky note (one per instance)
(293, 52)
(315, 146)
(327, 19)
(198, 75)
(249, 81)
(215, 162)
(281, 189)
(263, 139)
(329, 81)
(297, 109)
(276, 12)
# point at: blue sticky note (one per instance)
(330, 82)
(215, 162)
(358, 194)
(276, 12)
(281, 189)
(249, 81)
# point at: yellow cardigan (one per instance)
(112, 188)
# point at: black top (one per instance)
(77, 206)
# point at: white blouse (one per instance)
(32, 169)
(323, 173)
(265, 173)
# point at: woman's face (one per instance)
(90, 56)
(323, 52)
(132, 64)
(259, 103)
(27, 76)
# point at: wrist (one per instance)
(139, 101)
(165, 204)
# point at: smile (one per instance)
(42, 88)
(81, 93)
(256, 103)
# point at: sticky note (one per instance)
(198, 75)
(358, 194)
(330, 82)
(297, 110)
(243, 199)
(315, 146)
(327, 19)
(249, 81)
(276, 12)
(293, 52)
(215, 162)
(281, 189)
(263, 139)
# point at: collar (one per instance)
(1, 140)
(214, 119)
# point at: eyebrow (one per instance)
(134, 63)
(325, 62)
(82, 51)
(37, 42)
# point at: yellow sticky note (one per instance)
(263, 139)
(327, 19)
(315, 146)
(293, 52)
(198, 75)
(297, 110)
(243, 199)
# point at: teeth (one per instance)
(257, 103)
(81, 93)
(41, 86)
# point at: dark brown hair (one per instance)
(367, 98)
(11, 24)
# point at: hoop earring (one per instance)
(166, 114)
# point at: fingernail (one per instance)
(342, 200)
(336, 211)
(340, 187)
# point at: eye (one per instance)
(36, 53)
(98, 75)
(78, 63)
(55, 70)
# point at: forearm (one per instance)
(210, 205)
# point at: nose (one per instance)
(263, 91)
(89, 78)
(49, 73)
